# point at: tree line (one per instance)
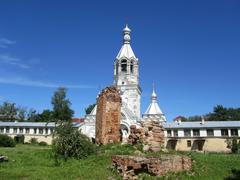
(220, 113)
(9, 111)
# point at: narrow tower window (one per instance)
(116, 68)
(131, 67)
(124, 65)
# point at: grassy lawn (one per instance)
(35, 162)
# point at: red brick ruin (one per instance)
(108, 116)
(130, 167)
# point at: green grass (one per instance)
(35, 162)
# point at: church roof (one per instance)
(153, 108)
(126, 50)
(94, 111)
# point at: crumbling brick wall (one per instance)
(108, 116)
(151, 135)
(130, 166)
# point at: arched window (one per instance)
(131, 67)
(124, 65)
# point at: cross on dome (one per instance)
(154, 95)
(126, 50)
(126, 35)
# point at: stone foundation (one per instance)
(130, 166)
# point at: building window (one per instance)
(175, 133)
(7, 129)
(187, 132)
(169, 134)
(234, 132)
(40, 130)
(116, 68)
(131, 67)
(46, 130)
(51, 130)
(27, 130)
(15, 130)
(196, 132)
(21, 130)
(35, 130)
(189, 143)
(2, 130)
(224, 132)
(124, 65)
(210, 132)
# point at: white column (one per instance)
(217, 132)
(203, 132)
(181, 133)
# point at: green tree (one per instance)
(22, 113)
(61, 106)
(46, 116)
(33, 116)
(221, 113)
(89, 109)
(8, 111)
(69, 142)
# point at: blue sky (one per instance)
(189, 49)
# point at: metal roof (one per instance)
(153, 108)
(205, 124)
(173, 125)
(32, 124)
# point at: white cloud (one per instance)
(7, 59)
(32, 83)
(4, 43)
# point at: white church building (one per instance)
(126, 79)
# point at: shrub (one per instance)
(239, 147)
(69, 142)
(42, 143)
(19, 139)
(234, 147)
(33, 141)
(6, 141)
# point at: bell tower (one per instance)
(126, 75)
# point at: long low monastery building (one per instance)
(41, 131)
(201, 136)
(209, 136)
